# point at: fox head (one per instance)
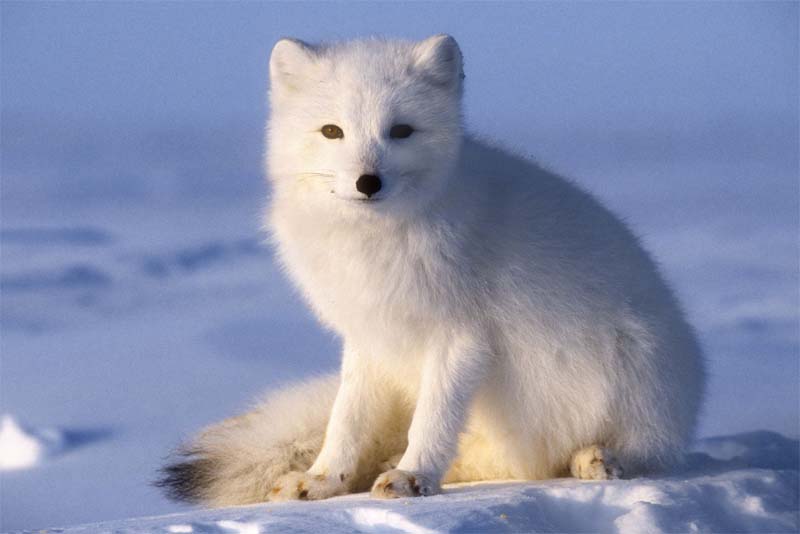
(364, 127)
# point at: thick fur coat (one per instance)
(497, 322)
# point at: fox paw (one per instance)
(296, 485)
(396, 483)
(595, 463)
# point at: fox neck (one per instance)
(384, 273)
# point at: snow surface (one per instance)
(755, 490)
(139, 304)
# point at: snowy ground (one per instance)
(747, 482)
(138, 303)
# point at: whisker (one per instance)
(322, 176)
(315, 178)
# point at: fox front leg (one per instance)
(449, 380)
(352, 420)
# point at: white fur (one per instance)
(496, 319)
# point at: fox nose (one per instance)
(369, 184)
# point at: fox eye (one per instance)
(400, 131)
(331, 131)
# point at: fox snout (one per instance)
(369, 184)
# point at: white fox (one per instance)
(497, 322)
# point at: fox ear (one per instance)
(439, 60)
(289, 63)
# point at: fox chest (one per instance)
(382, 294)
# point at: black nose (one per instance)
(369, 184)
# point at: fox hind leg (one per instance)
(296, 485)
(595, 463)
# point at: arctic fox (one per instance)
(497, 322)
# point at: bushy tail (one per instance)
(237, 460)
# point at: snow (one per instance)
(22, 449)
(18, 450)
(754, 491)
(139, 302)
